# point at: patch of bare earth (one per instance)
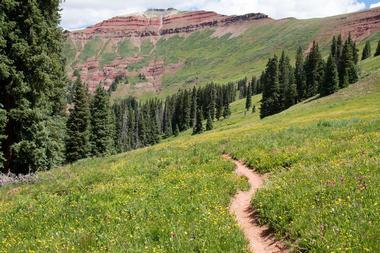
(261, 239)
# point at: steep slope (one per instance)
(322, 194)
(171, 49)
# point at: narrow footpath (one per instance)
(260, 238)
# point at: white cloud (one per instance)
(375, 5)
(80, 13)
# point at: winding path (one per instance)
(260, 238)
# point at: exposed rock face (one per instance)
(142, 26)
(155, 24)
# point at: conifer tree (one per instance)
(176, 131)
(32, 77)
(339, 49)
(367, 51)
(186, 107)
(271, 91)
(226, 111)
(219, 106)
(193, 111)
(142, 131)
(334, 48)
(248, 102)
(209, 124)
(212, 104)
(3, 119)
(300, 77)
(78, 125)
(198, 126)
(348, 72)
(377, 53)
(314, 68)
(331, 83)
(101, 124)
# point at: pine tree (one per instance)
(219, 104)
(176, 131)
(212, 104)
(32, 78)
(339, 49)
(186, 107)
(271, 103)
(314, 69)
(331, 83)
(78, 125)
(198, 126)
(334, 48)
(167, 120)
(377, 53)
(248, 102)
(300, 77)
(348, 72)
(367, 51)
(226, 111)
(142, 131)
(3, 121)
(209, 125)
(101, 124)
(193, 111)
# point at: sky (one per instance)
(78, 14)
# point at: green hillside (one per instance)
(322, 194)
(204, 57)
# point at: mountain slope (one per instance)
(322, 194)
(182, 49)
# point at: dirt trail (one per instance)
(260, 238)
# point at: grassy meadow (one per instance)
(322, 194)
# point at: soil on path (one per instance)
(261, 239)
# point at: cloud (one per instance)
(81, 13)
(375, 5)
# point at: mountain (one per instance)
(162, 50)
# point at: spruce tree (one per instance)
(314, 69)
(209, 125)
(248, 102)
(198, 126)
(300, 77)
(348, 72)
(3, 120)
(377, 53)
(32, 77)
(367, 51)
(176, 131)
(219, 104)
(212, 104)
(334, 48)
(271, 103)
(226, 111)
(78, 125)
(331, 83)
(101, 124)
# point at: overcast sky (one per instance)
(81, 13)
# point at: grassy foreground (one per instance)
(323, 194)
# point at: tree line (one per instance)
(143, 124)
(285, 85)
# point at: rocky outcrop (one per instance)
(142, 26)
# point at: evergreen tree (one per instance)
(339, 49)
(101, 137)
(334, 48)
(300, 78)
(32, 76)
(212, 104)
(176, 131)
(367, 51)
(78, 125)
(209, 125)
(193, 111)
(348, 72)
(186, 107)
(254, 86)
(3, 119)
(167, 120)
(377, 53)
(331, 83)
(314, 68)
(198, 126)
(142, 133)
(219, 105)
(248, 102)
(271, 91)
